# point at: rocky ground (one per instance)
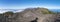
(30, 15)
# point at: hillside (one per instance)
(31, 14)
(40, 10)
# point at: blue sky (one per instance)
(22, 4)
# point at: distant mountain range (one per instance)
(2, 11)
(55, 10)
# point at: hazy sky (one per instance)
(21, 4)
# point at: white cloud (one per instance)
(3, 11)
